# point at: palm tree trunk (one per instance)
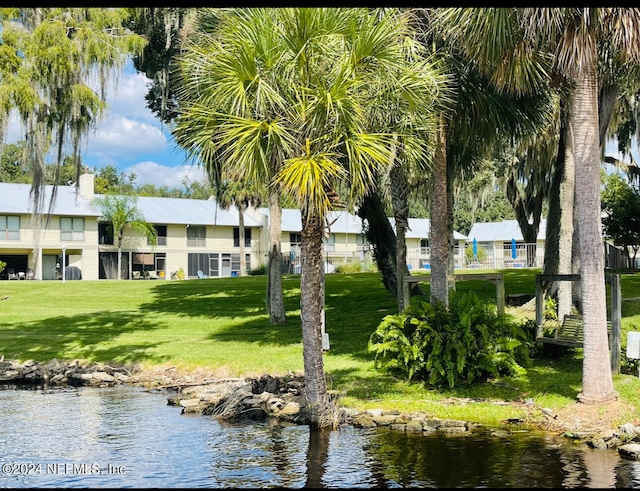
(451, 266)
(567, 197)
(399, 198)
(311, 312)
(275, 298)
(119, 256)
(243, 258)
(552, 238)
(597, 381)
(438, 233)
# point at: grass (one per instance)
(221, 325)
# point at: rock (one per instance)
(290, 409)
(630, 429)
(374, 412)
(453, 429)
(630, 451)
(414, 425)
(500, 433)
(385, 420)
(363, 420)
(192, 405)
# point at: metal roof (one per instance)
(16, 198)
(502, 231)
(341, 222)
(419, 229)
(190, 211)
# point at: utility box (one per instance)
(325, 341)
(633, 345)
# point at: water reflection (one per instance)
(317, 456)
(157, 446)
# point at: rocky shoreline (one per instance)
(278, 397)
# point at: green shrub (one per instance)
(261, 269)
(481, 254)
(348, 267)
(2, 266)
(550, 309)
(466, 343)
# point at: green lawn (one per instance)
(220, 324)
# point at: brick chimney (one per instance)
(86, 185)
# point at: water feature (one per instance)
(129, 437)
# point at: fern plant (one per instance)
(463, 344)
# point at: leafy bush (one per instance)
(550, 309)
(529, 328)
(348, 267)
(2, 266)
(466, 343)
(261, 269)
(480, 256)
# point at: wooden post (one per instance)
(616, 309)
(539, 306)
(406, 290)
(500, 294)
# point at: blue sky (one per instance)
(132, 139)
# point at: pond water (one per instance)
(130, 437)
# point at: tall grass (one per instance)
(221, 325)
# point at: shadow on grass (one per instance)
(559, 376)
(80, 335)
(219, 297)
(353, 309)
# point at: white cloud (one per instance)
(124, 137)
(127, 98)
(162, 175)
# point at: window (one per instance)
(161, 235)
(424, 246)
(105, 233)
(209, 264)
(9, 228)
(295, 239)
(331, 242)
(71, 229)
(236, 237)
(196, 236)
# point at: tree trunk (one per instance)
(119, 256)
(380, 235)
(275, 297)
(597, 380)
(311, 312)
(523, 212)
(451, 266)
(243, 258)
(438, 233)
(565, 249)
(400, 202)
(552, 236)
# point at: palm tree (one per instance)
(241, 195)
(229, 76)
(309, 118)
(121, 211)
(481, 118)
(573, 39)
